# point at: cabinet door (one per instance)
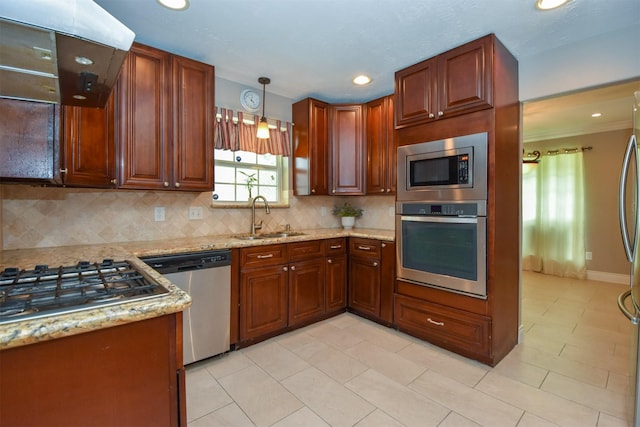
(88, 144)
(28, 141)
(263, 301)
(306, 290)
(364, 285)
(381, 156)
(464, 76)
(310, 147)
(193, 101)
(144, 120)
(336, 283)
(347, 150)
(415, 93)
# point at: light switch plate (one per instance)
(158, 213)
(195, 212)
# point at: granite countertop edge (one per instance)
(30, 331)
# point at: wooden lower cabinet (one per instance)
(336, 283)
(263, 301)
(463, 332)
(306, 291)
(127, 375)
(364, 285)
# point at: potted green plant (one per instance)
(347, 214)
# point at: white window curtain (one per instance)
(235, 134)
(553, 216)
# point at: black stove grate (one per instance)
(45, 291)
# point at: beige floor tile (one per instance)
(262, 398)
(204, 394)
(276, 360)
(340, 338)
(228, 416)
(392, 365)
(466, 401)
(598, 359)
(595, 397)
(380, 336)
(378, 419)
(618, 383)
(302, 418)
(403, 404)
(606, 420)
(456, 420)
(545, 405)
(462, 370)
(511, 366)
(226, 364)
(330, 400)
(336, 364)
(530, 420)
(345, 320)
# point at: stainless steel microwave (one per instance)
(447, 169)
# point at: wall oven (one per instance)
(443, 245)
(447, 169)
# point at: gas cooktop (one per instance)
(45, 291)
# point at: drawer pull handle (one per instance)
(264, 256)
(335, 246)
(433, 322)
(364, 248)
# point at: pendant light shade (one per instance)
(263, 126)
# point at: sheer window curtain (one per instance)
(235, 134)
(553, 216)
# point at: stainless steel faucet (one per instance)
(258, 226)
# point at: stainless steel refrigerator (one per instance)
(629, 301)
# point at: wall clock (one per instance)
(250, 100)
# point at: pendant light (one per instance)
(263, 126)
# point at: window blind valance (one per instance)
(230, 133)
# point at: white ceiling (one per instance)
(315, 47)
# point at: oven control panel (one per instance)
(442, 209)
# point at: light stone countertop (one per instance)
(30, 331)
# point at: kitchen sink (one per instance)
(275, 235)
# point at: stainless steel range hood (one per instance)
(60, 51)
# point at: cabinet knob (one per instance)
(330, 261)
(333, 191)
(285, 268)
(313, 190)
(384, 245)
(65, 170)
(293, 267)
(177, 185)
(382, 190)
(114, 181)
(375, 263)
(440, 114)
(388, 190)
(165, 184)
(431, 115)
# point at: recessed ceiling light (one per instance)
(83, 60)
(549, 4)
(594, 115)
(362, 80)
(175, 4)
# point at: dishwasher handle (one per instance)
(188, 261)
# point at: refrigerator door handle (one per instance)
(629, 247)
(623, 308)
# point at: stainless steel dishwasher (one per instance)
(206, 277)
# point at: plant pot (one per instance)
(348, 222)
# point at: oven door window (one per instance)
(444, 248)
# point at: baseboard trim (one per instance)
(603, 276)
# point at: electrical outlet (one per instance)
(195, 212)
(158, 213)
(589, 256)
(323, 211)
(392, 211)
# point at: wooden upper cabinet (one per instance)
(29, 143)
(456, 82)
(310, 147)
(347, 149)
(381, 151)
(88, 146)
(165, 121)
(193, 102)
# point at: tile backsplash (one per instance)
(47, 216)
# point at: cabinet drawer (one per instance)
(336, 246)
(463, 332)
(305, 250)
(261, 256)
(364, 247)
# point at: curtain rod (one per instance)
(536, 154)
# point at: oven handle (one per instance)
(442, 219)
